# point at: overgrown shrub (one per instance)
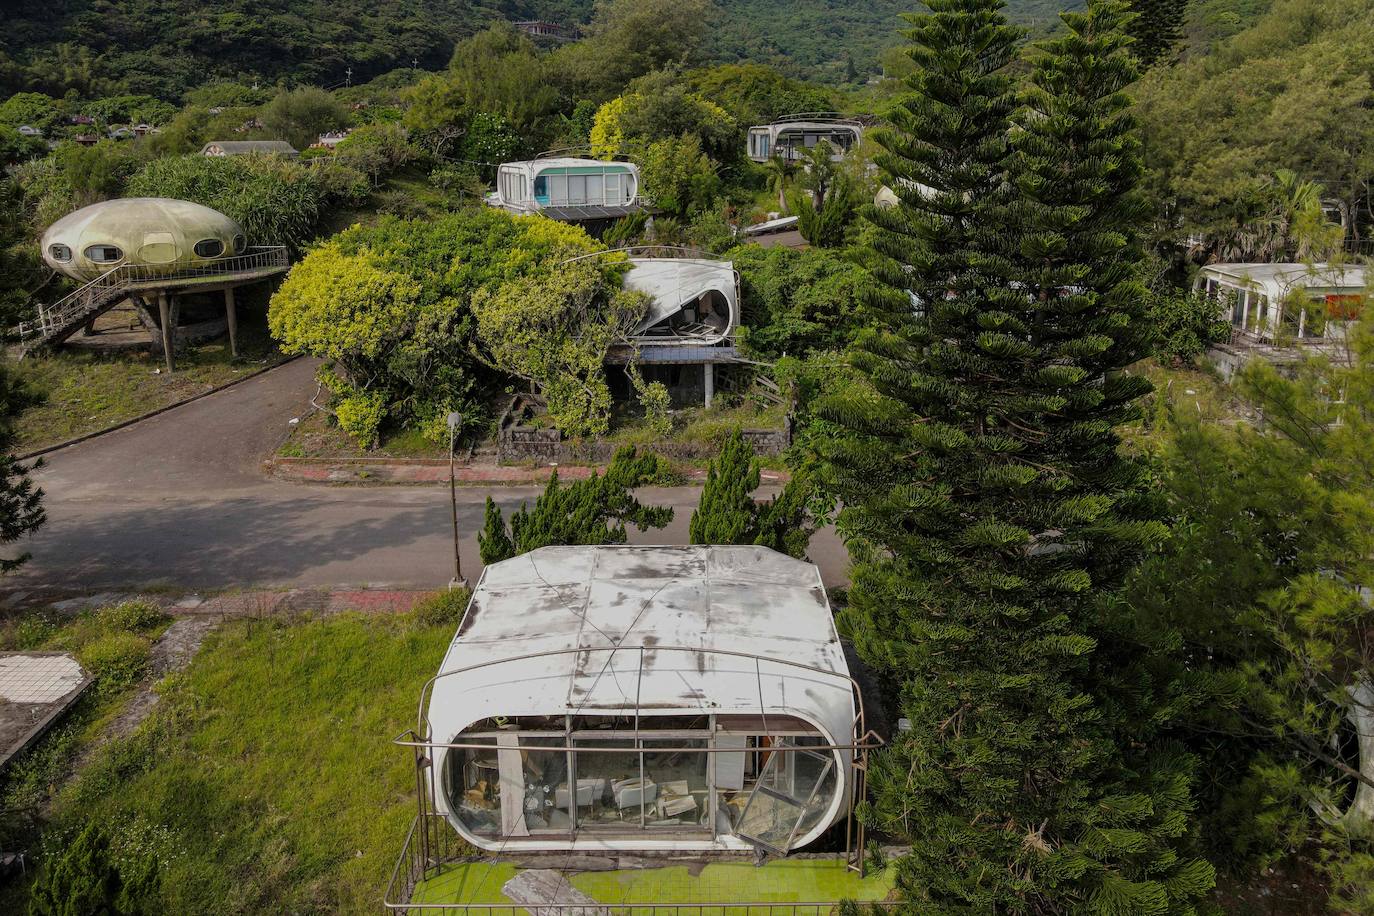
(32, 631)
(361, 414)
(130, 617)
(1184, 324)
(390, 305)
(655, 401)
(591, 511)
(275, 200)
(443, 608)
(116, 660)
(87, 876)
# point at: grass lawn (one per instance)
(265, 780)
(85, 392)
(781, 881)
(317, 436)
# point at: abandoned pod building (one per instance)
(158, 235)
(643, 699)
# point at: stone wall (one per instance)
(518, 444)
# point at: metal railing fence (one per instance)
(432, 844)
(53, 317)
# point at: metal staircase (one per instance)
(56, 322)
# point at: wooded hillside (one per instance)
(168, 47)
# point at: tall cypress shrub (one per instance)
(990, 513)
(727, 513)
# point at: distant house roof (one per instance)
(1278, 279)
(248, 148)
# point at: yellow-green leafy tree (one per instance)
(554, 328)
(390, 307)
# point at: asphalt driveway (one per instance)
(180, 501)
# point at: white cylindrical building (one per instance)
(644, 698)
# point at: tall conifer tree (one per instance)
(1156, 27)
(989, 511)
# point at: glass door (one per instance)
(789, 797)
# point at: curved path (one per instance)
(179, 500)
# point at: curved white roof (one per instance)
(672, 283)
(1276, 280)
(572, 162)
(608, 616)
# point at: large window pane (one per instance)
(610, 792)
(682, 789)
(472, 782)
(546, 783)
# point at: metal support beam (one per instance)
(231, 319)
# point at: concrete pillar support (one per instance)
(708, 380)
(232, 320)
(168, 317)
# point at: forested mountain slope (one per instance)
(167, 47)
(1291, 92)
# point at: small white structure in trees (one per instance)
(791, 137)
(217, 148)
(1269, 301)
(568, 189)
(1278, 310)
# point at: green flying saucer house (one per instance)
(149, 252)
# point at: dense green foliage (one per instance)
(1184, 324)
(275, 200)
(1156, 28)
(554, 329)
(1291, 92)
(21, 502)
(170, 48)
(391, 307)
(728, 513)
(497, 73)
(987, 505)
(1257, 604)
(798, 302)
(87, 876)
(590, 511)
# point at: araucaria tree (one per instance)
(591, 511)
(989, 510)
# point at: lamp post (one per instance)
(455, 420)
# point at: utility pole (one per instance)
(348, 77)
(455, 420)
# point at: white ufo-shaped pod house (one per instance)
(691, 300)
(644, 698)
(160, 235)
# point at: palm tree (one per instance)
(780, 170)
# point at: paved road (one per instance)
(179, 501)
